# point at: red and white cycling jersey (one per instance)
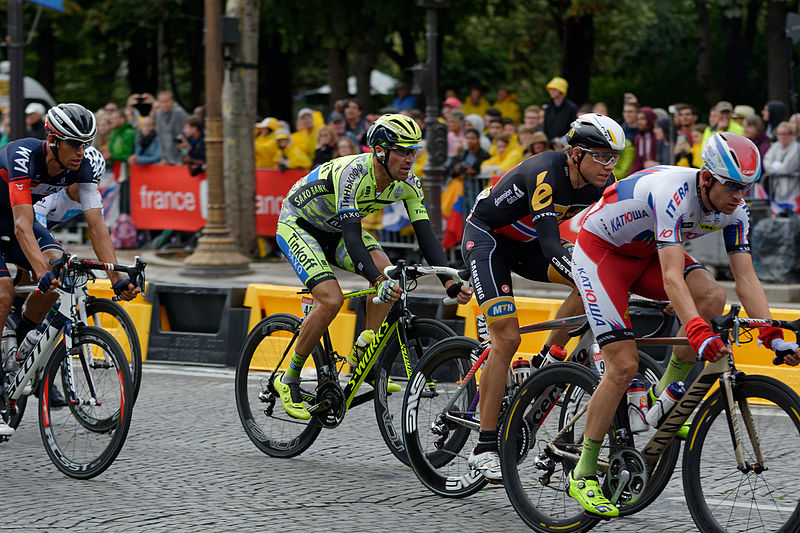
(616, 249)
(660, 206)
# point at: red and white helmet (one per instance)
(732, 157)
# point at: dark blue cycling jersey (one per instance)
(23, 168)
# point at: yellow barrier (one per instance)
(138, 309)
(264, 300)
(750, 358)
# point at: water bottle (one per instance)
(556, 355)
(671, 395)
(637, 405)
(520, 370)
(360, 346)
(31, 340)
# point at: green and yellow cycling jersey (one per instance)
(345, 187)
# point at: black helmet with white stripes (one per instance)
(71, 121)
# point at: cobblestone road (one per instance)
(188, 466)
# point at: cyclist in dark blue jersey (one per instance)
(32, 169)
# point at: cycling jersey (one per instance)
(23, 167)
(345, 188)
(320, 220)
(617, 247)
(514, 228)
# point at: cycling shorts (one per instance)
(12, 251)
(311, 251)
(605, 279)
(491, 258)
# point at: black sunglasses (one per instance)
(402, 151)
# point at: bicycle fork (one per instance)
(732, 407)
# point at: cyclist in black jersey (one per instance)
(514, 228)
(320, 225)
(33, 169)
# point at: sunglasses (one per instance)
(731, 186)
(603, 158)
(402, 151)
(77, 144)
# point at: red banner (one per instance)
(271, 187)
(167, 197)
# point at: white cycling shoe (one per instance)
(5, 429)
(488, 464)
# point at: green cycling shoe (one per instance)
(587, 492)
(291, 399)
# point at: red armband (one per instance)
(768, 334)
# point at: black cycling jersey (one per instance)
(530, 200)
(23, 168)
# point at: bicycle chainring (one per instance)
(332, 392)
(524, 435)
(627, 477)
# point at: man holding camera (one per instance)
(170, 118)
(192, 144)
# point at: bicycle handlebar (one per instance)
(411, 272)
(72, 263)
(731, 322)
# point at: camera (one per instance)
(178, 139)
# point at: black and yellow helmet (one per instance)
(394, 129)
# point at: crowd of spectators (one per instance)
(484, 139)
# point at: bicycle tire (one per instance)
(270, 429)
(113, 318)
(76, 451)
(436, 453)
(540, 467)
(421, 335)
(778, 430)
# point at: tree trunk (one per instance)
(777, 53)
(142, 60)
(337, 73)
(363, 63)
(275, 79)
(704, 68)
(239, 93)
(578, 55)
(738, 32)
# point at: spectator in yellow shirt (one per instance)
(506, 158)
(476, 103)
(264, 144)
(508, 106)
(305, 138)
(287, 155)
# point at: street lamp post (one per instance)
(435, 131)
(216, 251)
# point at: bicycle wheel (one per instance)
(438, 440)
(764, 497)
(112, 317)
(270, 428)
(537, 486)
(76, 450)
(421, 335)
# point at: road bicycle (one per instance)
(103, 313)
(739, 461)
(88, 366)
(440, 410)
(399, 344)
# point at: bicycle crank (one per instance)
(330, 407)
(627, 477)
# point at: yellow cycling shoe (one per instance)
(587, 492)
(391, 386)
(291, 399)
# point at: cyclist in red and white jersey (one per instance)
(630, 242)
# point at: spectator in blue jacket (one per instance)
(146, 151)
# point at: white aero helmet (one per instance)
(593, 130)
(732, 157)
